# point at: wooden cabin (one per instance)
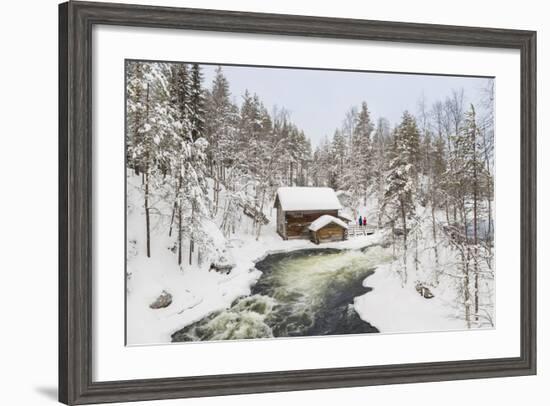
(298, 207)
(328, 228)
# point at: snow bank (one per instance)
(196, 292)
(394, 308)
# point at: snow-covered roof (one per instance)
(325, 220)
(307, 198)
(345, 216)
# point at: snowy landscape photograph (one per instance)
(267, 202)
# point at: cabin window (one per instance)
(296, 214)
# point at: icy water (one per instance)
(301, 293)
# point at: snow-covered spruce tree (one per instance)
(196, 103)
(265, 153)
(345, 162)
(454, 114)
(399, 197)
(315, 177)
(339, 152)
(431, 169)
(304, 159)
(220, 130)
(180, 95)
(471, 182)
(441, 128)
(301, 150)
(481, 182)
(146, 96)
(188, 161)
(437, 167)
(487, 132)
(361, 157)
(252, 149)
(195, 169)
(380, 140)
(280, 136)
(322, 173)
(147, 130)
(136, 111)
(196, 193)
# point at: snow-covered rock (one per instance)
(164, 300)
(223, 264)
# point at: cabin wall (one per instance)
(331, 232)
(297, 223)
(281, 222)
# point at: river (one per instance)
(300, 293)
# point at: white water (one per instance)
(301, 293)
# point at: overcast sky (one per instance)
(318, 100)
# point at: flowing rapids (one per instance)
(301, 293)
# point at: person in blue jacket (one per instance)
(360, 220)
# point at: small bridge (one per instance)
(355, 230)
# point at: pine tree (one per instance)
(339, 152)
(136, 112)
(402, 180)
(143, 121)
(380, 162)
(363, 149)
(180, 97)
(220, 130)
(195, 169)
(357, 171)
(196, 103)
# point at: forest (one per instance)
(203, 167)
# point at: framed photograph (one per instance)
(259, 202)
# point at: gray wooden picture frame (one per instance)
(76, 20)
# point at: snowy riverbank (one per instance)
(196, 291)
(394, 308)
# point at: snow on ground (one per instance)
(196, 291)
(394, 308)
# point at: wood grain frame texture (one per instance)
(76, 20)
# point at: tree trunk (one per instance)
(172, 217)
(180, 219)
(434, 235)
(145, 180)
(404, 220)
(147, 218)
(191, 241)
(466, 287)
(476, 270)
(259, 224)
(220, 176)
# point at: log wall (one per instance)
(297, 223)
